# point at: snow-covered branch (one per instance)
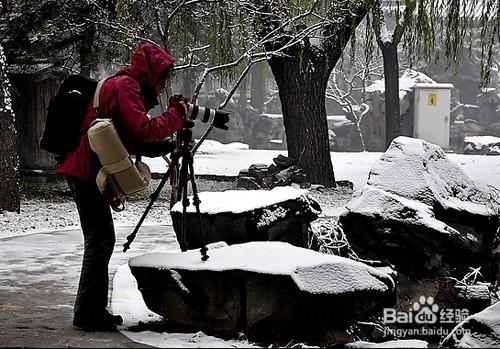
(121, 29)
(190, 60)
(240, 79)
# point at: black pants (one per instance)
(99, 240)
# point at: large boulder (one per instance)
(481, 330)
(268, 290)
(236, 216)
(420, 211)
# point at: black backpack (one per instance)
(65, 115)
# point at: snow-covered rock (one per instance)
(482, 145)
(236, 216)
(481, 330)
(265, 289)
(421, 171)
(420, 209)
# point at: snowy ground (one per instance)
(41, 213)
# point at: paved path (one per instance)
(38, 281)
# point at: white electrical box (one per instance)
(432, 113)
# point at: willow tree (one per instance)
(420, 26)
(303, 69)
(388, 42)
(301, 41)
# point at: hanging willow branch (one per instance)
(423, 24)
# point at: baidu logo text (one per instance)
(425, 311)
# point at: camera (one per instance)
(215, 117)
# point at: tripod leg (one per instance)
(153, 197)
(174, 182)
(187, 170)
(196, 201)
(183, 193)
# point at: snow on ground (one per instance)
(347, 166)
(229, 160)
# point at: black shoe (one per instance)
(103, 322)
(95, 325)
(116, 319)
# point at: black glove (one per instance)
(179, 104)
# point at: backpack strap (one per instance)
(96, 95)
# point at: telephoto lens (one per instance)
(217, 118)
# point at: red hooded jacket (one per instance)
(126, 97)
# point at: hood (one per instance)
(148, 64)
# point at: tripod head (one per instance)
(186, 133)
(185, 140)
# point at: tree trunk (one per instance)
(87, 52)
(5, 6)
(391, 79)
(258, 87)
(302, 97)
(243, 98)
(9, 160)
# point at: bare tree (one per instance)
(347, 85)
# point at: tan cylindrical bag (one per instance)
(119, 174)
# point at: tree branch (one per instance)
(401, 26)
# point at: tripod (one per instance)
(186, 174)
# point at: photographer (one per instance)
(125, 97)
